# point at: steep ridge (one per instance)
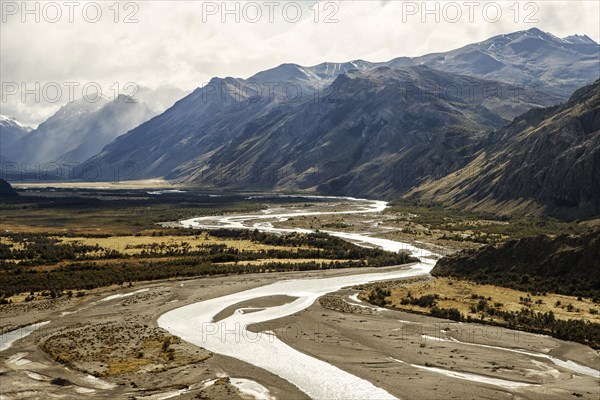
(545, 159)
(197, 124)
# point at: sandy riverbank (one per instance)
(369, 344)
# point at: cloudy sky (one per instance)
(168, 48)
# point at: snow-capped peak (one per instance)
(579, 39)
(6, 121)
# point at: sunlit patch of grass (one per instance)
(133, 245)
(464, 295)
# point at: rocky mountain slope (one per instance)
(547, 158)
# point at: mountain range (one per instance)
(76, 132)
(532, 59)
(375, 132)
(422, 127)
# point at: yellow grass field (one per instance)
(457, 294)
(126, 244)
(285, 261)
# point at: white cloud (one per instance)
(172, 50)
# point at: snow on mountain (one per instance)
(6, 122)
(11, 132)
